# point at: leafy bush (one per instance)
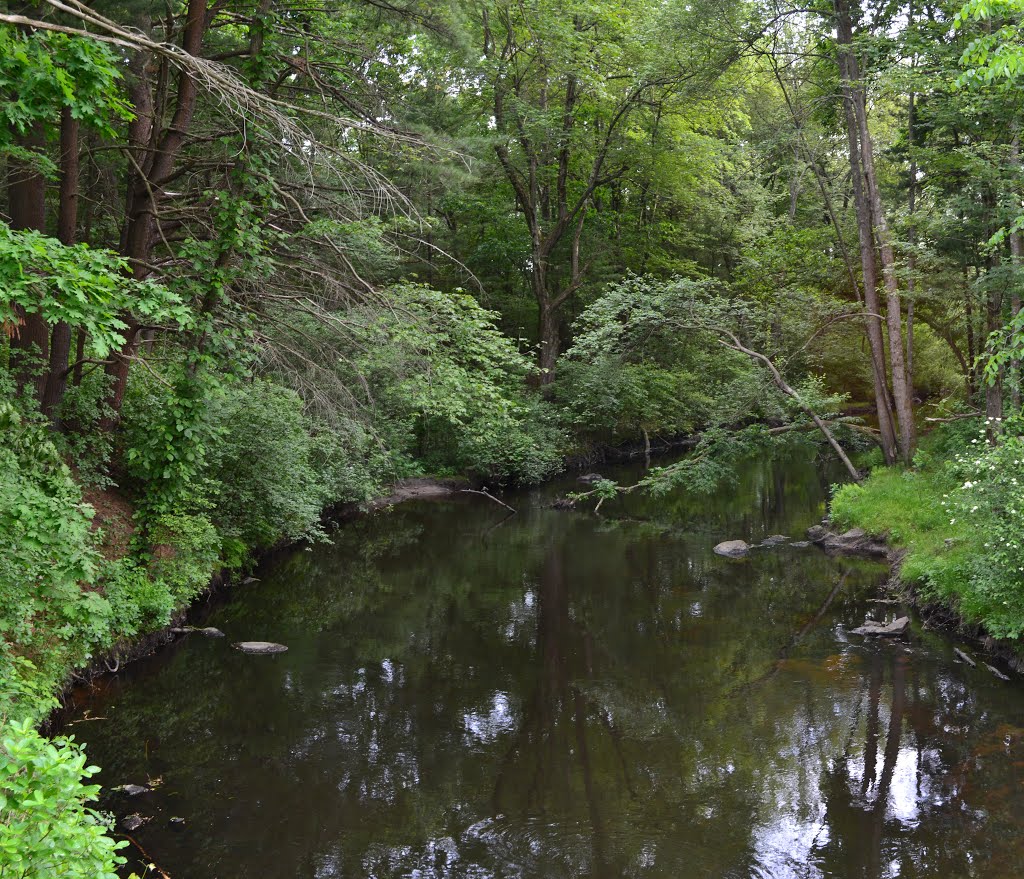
(47, 828)
(138, 601)
(184, 555)
(46, 552)
(644, 360)
(269, 478)
(449, 390)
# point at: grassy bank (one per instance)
(958, 518)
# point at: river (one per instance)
(469, 693)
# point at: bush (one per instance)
(47, 828)
(47, 621)
(138, 602)
(185, 554)
(269, 478)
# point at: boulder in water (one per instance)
(589, 478)
(259, 647)
(733, 549)
(891, 630)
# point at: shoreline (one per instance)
(935, 615)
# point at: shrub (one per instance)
(47, 828)
(269, 478)
(46, 552)
(185, 554)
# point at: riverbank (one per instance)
(954, 524)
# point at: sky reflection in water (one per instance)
(564, 695)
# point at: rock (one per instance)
(853, 542)
(132, 790)
(872, 627)
(133, 822)
(817, 533)
(963, 657)
(733, 549)
(997, 672)
(563, 503)
(800, 544)
(774, 540)
(176, 822)
(250, 580)
(589, 478)
(209, 631)
(259, 647)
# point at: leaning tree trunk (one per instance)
(849, 71)
(869, 268)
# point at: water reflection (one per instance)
(558, 695)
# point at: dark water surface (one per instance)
(564, 695)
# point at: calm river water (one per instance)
(561, 694)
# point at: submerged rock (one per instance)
(132, 790)
(800, 544)
(963, 657)
(733, 549)
(873, 627)
(260, 647)
(176, 822)
(208, 631)
(997, 672)
(590, 478)
(133, 822)
(774, 540)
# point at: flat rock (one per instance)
(856, 541)
(733, 549)
(260, 647)
(774, 540)
(589, 478)
(872, 627)
(800, 544)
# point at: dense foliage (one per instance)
(260, 260)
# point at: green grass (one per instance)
(906, 507)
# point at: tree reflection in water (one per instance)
(562, 695)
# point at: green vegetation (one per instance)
(958, 517)
(258, 261)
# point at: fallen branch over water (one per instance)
(487, 494)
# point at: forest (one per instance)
(261, 261)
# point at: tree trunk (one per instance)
(145, 189)
(869, 268)
(912, 236)
(67, 221)
(548, 332)
(850, 72)
(1016, 255)
(26, 198)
